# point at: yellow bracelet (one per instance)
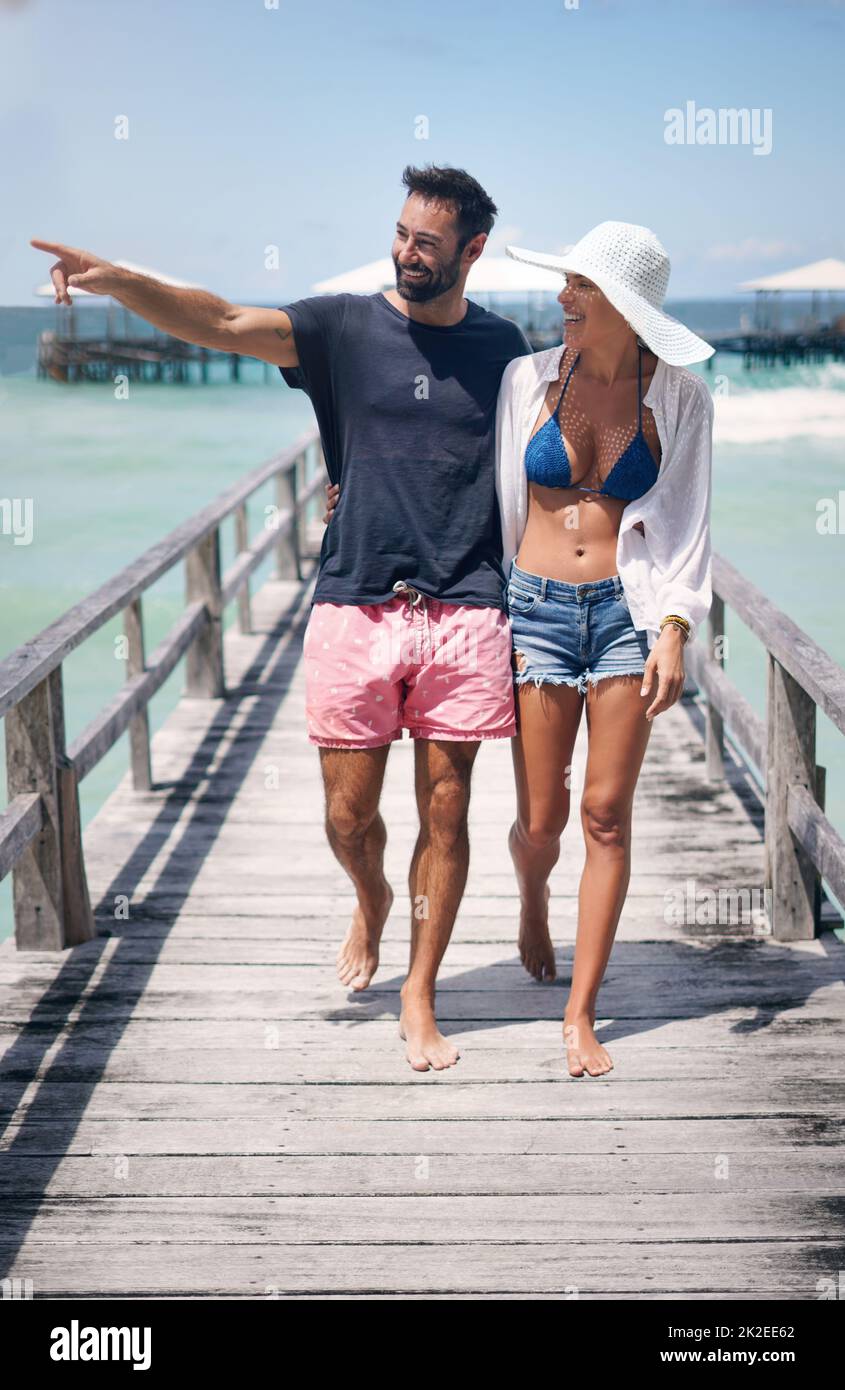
(677, 621)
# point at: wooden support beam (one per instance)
(50, 892)
(287, 549)
(791, 762)
(139, 724)
(714, 734)
(204, 660)
(242, 545)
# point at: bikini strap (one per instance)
(566, 383)
(640, 389)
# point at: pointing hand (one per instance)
(77, 270)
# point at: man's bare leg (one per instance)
(352, 780)
(436, 883)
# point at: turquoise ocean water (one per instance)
(109, 477)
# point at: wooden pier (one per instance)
(157, 358)
(757, 348)
(772, 349)
(192, 1104)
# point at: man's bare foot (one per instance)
(535, 944)
(584, 1052)
(357, 959)
(427, 1046)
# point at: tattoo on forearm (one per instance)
(283, 333)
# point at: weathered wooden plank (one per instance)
(418, 1219)
(814, 1171)
(704, 1136)
(787, 1031)
(20, 824)
(139, 724)
(457, 1002)
(244, 609)
(79, 925)
(247, 1270)
(267, 1060)
(448, 1099)
(711, 972)
(34, 731)
(791, 761)
(204, 677)
(253, 949)
(817, 837)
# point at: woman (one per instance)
(603, 481)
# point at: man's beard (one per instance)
(431, 285)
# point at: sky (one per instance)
(256, 124)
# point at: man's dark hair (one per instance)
(474, 209)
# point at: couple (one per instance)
(541, 521)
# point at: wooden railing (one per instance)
(801, 845)
(40, 834)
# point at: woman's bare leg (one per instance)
(618, 733)
(549, 716)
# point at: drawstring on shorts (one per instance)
(420, 631)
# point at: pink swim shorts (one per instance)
(439, 670)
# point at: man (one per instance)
(408, 626)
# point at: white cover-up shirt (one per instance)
(668, 569)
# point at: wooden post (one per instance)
(242, 544)
(204, 658)
(714, 734)
(79, 922)
(821, 785)
(50, 891)
(791, 759)
(287, 549)
(139, 725)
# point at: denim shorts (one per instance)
(572, 634)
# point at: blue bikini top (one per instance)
(633, 473)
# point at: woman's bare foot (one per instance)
(535, 944)
(584, 1052)
(357, 959)
(427, 1046)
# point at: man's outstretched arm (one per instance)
(193, 315)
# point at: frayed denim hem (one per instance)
(579, 683)
(594, 677)
(523, 678)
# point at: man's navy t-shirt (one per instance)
(407, 421)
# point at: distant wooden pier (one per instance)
(193, 1106)
(152, 359)
(769, 349)
(758, 349)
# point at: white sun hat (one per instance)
(631, 268)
